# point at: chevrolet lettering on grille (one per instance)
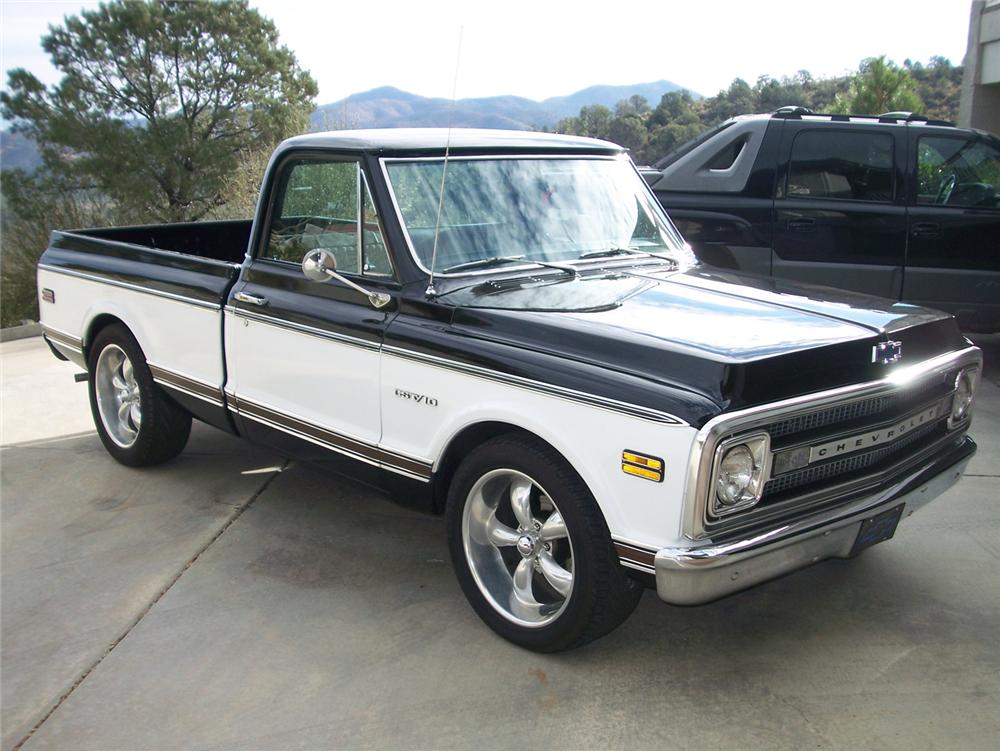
(872, 438)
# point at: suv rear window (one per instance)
(843, 165)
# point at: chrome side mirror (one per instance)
(319, 265)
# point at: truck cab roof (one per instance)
(432, 141)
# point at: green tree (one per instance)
(33, 206)
(158, 99)
(939, 85)
(679, 117)
(635, 105)
(594, 121)
(676, 119)
(628, 131)
(880, 86)
(738, 99)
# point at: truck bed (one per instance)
(222, 241)
(197, 262)
(167, 284)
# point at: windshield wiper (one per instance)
(484, 263)
(630, 251)
(607, 252)
(561, 267)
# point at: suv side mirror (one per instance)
(319, 265)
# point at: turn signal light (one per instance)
(641, 465)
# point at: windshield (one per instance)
(524, 210)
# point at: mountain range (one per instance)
(388, 107)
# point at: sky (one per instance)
(541, 49)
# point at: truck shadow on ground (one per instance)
(323, 611)
(349, 541)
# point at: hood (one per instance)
(736, 339)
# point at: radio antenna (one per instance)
(430, 291)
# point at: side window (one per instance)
(839, 164)
(727, 156)
(326, 205)
(957, 172)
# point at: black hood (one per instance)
(735, 339)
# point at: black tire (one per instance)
(164, 427)
(602, 594)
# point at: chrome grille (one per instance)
(842, 415)
(834, 415)
(856, 462)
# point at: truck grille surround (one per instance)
(807, 487)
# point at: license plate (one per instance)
(877, 529)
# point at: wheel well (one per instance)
(462, 444)
(96, 326)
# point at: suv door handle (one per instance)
(925, 229)
(801, 225)
(250, 299)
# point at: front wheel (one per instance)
(138, 424)
(531, 549)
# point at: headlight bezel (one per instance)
(968, 376)
(759, 445)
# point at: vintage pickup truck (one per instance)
(507, 329)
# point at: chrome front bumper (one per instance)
(692, 576)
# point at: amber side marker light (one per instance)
(641, 465)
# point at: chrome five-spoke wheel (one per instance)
(138, 423)
(118, 397)
(517, 548)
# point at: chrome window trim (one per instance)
(367, 191)
(132, 287)
(700, 460)
(622, 261)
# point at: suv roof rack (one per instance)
(792, 110)
(795, 112)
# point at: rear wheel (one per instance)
(531, 549)
(138, 424)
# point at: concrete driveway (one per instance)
(229, 600)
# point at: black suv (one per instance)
(895, 205)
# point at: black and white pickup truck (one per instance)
(507, 329)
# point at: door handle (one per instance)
(250, 299)
(801, 225)
(925, 229)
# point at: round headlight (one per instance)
(964, 386)
(735, 475)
